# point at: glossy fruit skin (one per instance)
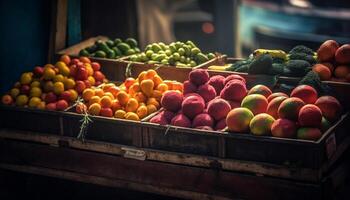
(238, 120)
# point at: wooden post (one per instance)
(58, 27)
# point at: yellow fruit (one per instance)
(169, 84)
(48, 86)
(94, 99)
(162, 87)
(134, 88)
(94, 109)
(99, 92)
(58, 88)
(14, 92)
(150, 74)
(69, 83)
(141, 76)
(142, 111)
(26, 78)
(177, 86)
(92, 80)
(60, 64)
(64, 70)
(157, 80)
(89, 69)
(157, 95)
(119, 114)
(58, 78)
(73, 95)
(106, 102)
(147, 87)
(122, 97)
(140, 97)
(35, 92)
(49, 73)
(151, 109)
(153, 101)
(107, 86)
(49, 66)
(41, 105)
(21, 100)
(132, 116)
(35, 84)
(87, 94)
(132, 105)
(34, 102)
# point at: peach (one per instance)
(342, 55)
(172, 101)
(192, 106)
(61, 105)
(207, 92)
(159, 119)
(218, 108)
(199, 76)
(283, 128)
(327, 50)
(189, 87)
(234, 77)
(203, 120)
(218, 82)
(235, 90)
(207, 128)
(221, 124)
(181, 120)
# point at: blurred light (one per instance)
(300, 3)
(208, 28)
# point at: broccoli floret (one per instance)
(278, 60)
(303, 56)
(313, 79)
(261, 64)
(297, 67)
(277, 69)
(302, 49)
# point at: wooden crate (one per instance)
(28, 119)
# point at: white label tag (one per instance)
(331, 146)
(134, 153)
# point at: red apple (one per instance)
(80, 86)
(73, 70)
(25, 89)
(98, 76)
(61, 105)
(87, 84)
(75, 61)
(51, 106)
(50, 97)
(95, 66)
(106, 112)
(38, 71)
(82, 73)
(66, 95)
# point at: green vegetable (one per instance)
(117, 52)
(277, 69)
(201, 58)
(110, 43)
(261, 64)
(100, 54)
(117, 41)
(297, 67)
(83, 52)
(301, 49)
(313, 79)
(303, 56)
(243, 68)
(124, 47)
(131, 42)
(110, 54)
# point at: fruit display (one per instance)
(302, 114)
(111, 48)
(178, 54)
(333, 61)
(205, 101)
(132, 100)
(55, 87)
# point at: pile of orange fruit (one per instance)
(134, 99)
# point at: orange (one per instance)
(88, 94)
(109, 94)
(58, 78)
(153, 101)
(73, 95)
(157, 95)
(66, 59)
(69, 83)
(114, 90)
(128, 82)
(177, 86)
(49, 73)
(14, 92)
(99, 92)
(34, 102)
(140, 97)
(162, 87)
(115, 105)
(119, 114)
(134, 88)
(169, 84)
(131, 105)
(150, 74)
(142, 111)
(94, 99)
(94, 109)
(106, 86)
(35, 92)
(322, 71)
(147, 87)
(132, 116)
(21, 100)
(122, 97)
(157, 80)
(341, 71)
(151, 109)
(141, 76)
(58, 88)
(85, 59)
(106, 102)
(26, 78)
(89, 69)
(92, 80)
